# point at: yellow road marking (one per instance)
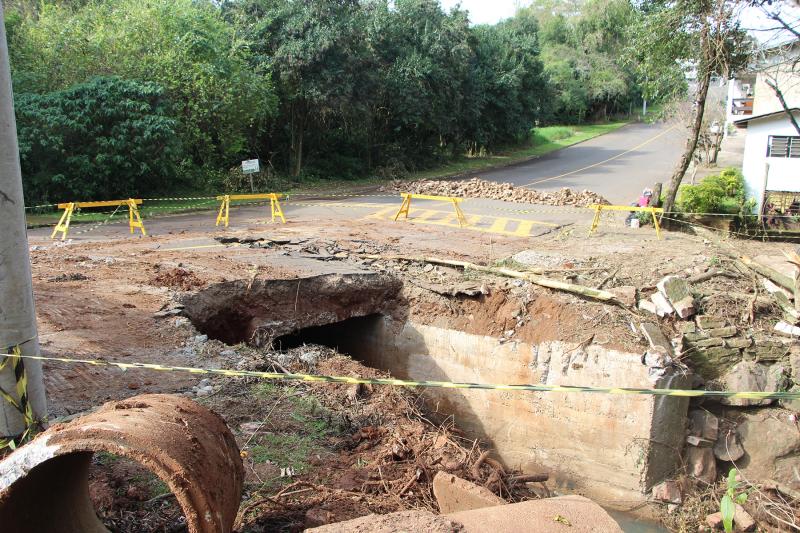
(497, 227)
(648, 141)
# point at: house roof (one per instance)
(744, 121)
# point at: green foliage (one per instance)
(551, 133)
(721, 193)
(102, 139)
(730, 499)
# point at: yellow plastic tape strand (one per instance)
(20, 403)
(753, 395)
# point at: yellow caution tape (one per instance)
(20, 403)
(753, 395)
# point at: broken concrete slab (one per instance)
(710, 322)
(454, 494)
(787, 329)
(647, 305)
(574, 514)
(676, 291)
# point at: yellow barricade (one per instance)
(134, 220)
(274, 205)
(406, 205)
(598, 208)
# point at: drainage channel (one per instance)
(608, 448)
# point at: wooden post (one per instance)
(656, 202)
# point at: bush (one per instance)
(551, 134)
(105, 139)
(723, 193)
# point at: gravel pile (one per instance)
(478, 188)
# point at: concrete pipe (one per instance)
(44, 484)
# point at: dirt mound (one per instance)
(478, 188)
(177, 278)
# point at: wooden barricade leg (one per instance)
(462, 220)
(405, 207)
(63, 223)
(275, 207)
(134, 220)
(224, 210)
(596, 219)
(656, 224)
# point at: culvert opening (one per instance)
(354, 336)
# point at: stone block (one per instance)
(656, 338)
(728, 331)
(454, 494)
(703, 424)
(701, 464)
(695, 337)
(711, 322)
(728, 448)
(676, 291)
(709, 343)
(663, 307)
(668, 491)
(625, 294)
(647, 305)
(738, 342)
(686, 327)
(772, 444)
(745, 376)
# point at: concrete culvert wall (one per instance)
(44, 484)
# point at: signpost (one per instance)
(250, 167)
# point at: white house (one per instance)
(771, 156)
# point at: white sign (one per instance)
(250, 166)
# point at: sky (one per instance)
(492, 11)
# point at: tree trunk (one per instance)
(691, 142)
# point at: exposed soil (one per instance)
(360, 446)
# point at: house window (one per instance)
(783, 146)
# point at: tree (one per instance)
(703, 37)
(183, 45)
(107, 138)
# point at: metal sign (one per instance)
(250, 166)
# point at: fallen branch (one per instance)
(507, 272)
(770, 273)
(529, 478)
(705, 276)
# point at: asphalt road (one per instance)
(617, 165)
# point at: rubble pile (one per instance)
(478, 188)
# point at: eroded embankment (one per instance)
(612, 448)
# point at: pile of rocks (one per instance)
(478, 188)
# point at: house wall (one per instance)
(784, 173)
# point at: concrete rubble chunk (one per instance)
(739, 342)
(625, 294)
(667, 491)
(454, 494)
(663, 307)
(686, 327)
(656, 338)
(746, 376)
(701, 464)
(709, 343)
(714, 521)
(787, 329)
(728, 448)
(677, 291)
(647, 305)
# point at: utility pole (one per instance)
(17, 315)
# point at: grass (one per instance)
(543, 141)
